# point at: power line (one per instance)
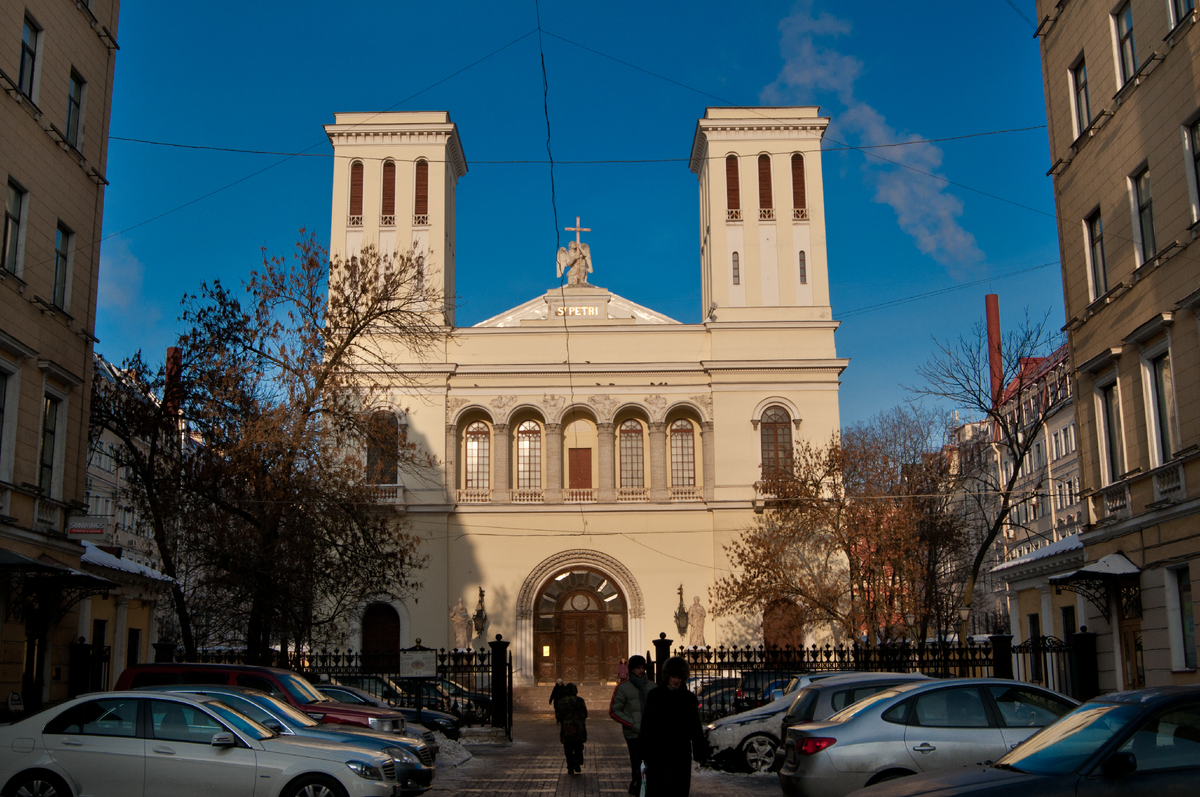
(1032, 24)
(940, 291)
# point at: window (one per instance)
(421, 194)
(1126, 50)
(803, 270)
(1186, 622)
(74, 109)
(1194, 136)
(107, 717)
(4, 379)
(387, 207)
(529, 456)
(29, 52)
(951, 708)
(383, 448)
(62, 252)
(765, 204)
(1180, 9)
(799, 200)
(179, 722)
(1083, 107)
(1099, 266)
(733, 200)
(1113, 448)
(776, 440)
(14, 209)
(356, 195)
(633, 469)
(737, 270)
(478, 470)
(683, 454)
(1164, 406)
(49, 444)
(1169, 741)
(133, 649)
(1023, 707)
(1068, 621)
(1145, 214)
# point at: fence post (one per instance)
(1085, 669)
(1002, 663)
(500, 680)
(662, 648)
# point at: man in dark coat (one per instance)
(671, 733)
(571, 713)
(558, 691)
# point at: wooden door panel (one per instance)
(580, 468)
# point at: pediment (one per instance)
(617, 309)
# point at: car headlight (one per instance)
(380, 724)
(365, 770)
(401, 754)
(712, 726)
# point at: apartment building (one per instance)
(1122, 85)
(56, 70)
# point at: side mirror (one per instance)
(226, 739)
(1118, 765)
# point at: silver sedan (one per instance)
(917, 727)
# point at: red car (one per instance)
(282, 684)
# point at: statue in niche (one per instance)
(462, 626)
(696, 615)
(576, 258)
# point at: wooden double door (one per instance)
(582, 649)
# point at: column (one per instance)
(554, 469)
(451, 463)
(604, 438)
(120, 639)
(710, 458)
(502, 453)
(658, 463)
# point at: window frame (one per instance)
(357, 168)
(480, 433)
(802, 263)
(1126, 68)
(10, 393)
(737, 269)
(34, 52)
(21, 218)
(1097, 259)
(1155, 429)
(1179, 10)
(629, 471)
(1141, 197)
(1110, 449)
(1081, 103)
(1191, 159)
(774, 463)
(64, 256)
(529, 455)
(1173, 583)
(682, 434)
(77, 104)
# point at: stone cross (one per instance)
(577, 229)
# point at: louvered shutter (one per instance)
(356, 188)
(732, 195)
(764, 182)
(421, 203)
(388, 207)
(798, 199)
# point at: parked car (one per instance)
(755, 686)
(286, 685)
(716, 703)
(414, 760)
(915, 727)
(481, 701)
(404, 692)
(749, 740)
(125, 743)
(1141, 742)
(419, 722)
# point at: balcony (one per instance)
(630, 495)
(354, 221)
(475, 495)
(47, 516)
(799, 214)
(1169, 486)
(528, 496)
(574, 495)
(388, 220)
(1114, 501)
(733, 214)
(766, 214)
(422, 220)
(389, 495)
(686, 494)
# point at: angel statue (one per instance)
(577, 259)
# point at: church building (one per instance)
(595, 454)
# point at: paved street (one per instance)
(534, 765)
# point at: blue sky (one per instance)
(266, 76)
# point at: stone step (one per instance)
(536, 699)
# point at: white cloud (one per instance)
(924, 209)
(126, 318)
(120, 278)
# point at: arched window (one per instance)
(776, 430)
(421, 194)
(387, 207)
(633, 467)
(383, 448)
(478, 459)
(799, 200)
(737, 270)
(356, 194)
(765, 205)
(529, 456)
(683, 454)
(733, 196)
(803, 270)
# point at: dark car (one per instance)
(446, 724)
(286, 685)
(755, 686)
(1145, 742)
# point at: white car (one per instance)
(117, 744)
(749, 740)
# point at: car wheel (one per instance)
(314, 786)
(38, 784)
(758, 752)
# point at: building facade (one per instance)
(56, 69)
(1122, 86)
(596, 454)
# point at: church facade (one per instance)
(595, 454)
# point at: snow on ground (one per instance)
(452, 753)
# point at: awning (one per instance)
(1113, 573)
(34, 580)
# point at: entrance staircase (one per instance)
(536, 699)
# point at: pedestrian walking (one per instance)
(672, 734)
(558, 691)
(628, 701)
(622, 671)
(571, 713)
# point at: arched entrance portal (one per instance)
(581, 627)
(381, 638)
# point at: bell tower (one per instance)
(394, 182)
(762, 214)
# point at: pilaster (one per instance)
(502, 451)
(658, 463)
(554, 468)
(605, 440)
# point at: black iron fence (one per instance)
(1069, 666)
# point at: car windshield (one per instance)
(292, 715)
(1063, 747)
(863, 705)
(301, 689)
(241, 722)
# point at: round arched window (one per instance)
(477, 465)
(776, 432)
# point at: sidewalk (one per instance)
(534, 765)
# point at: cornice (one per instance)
(752, 129)
(831, 365)
(381, 134)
